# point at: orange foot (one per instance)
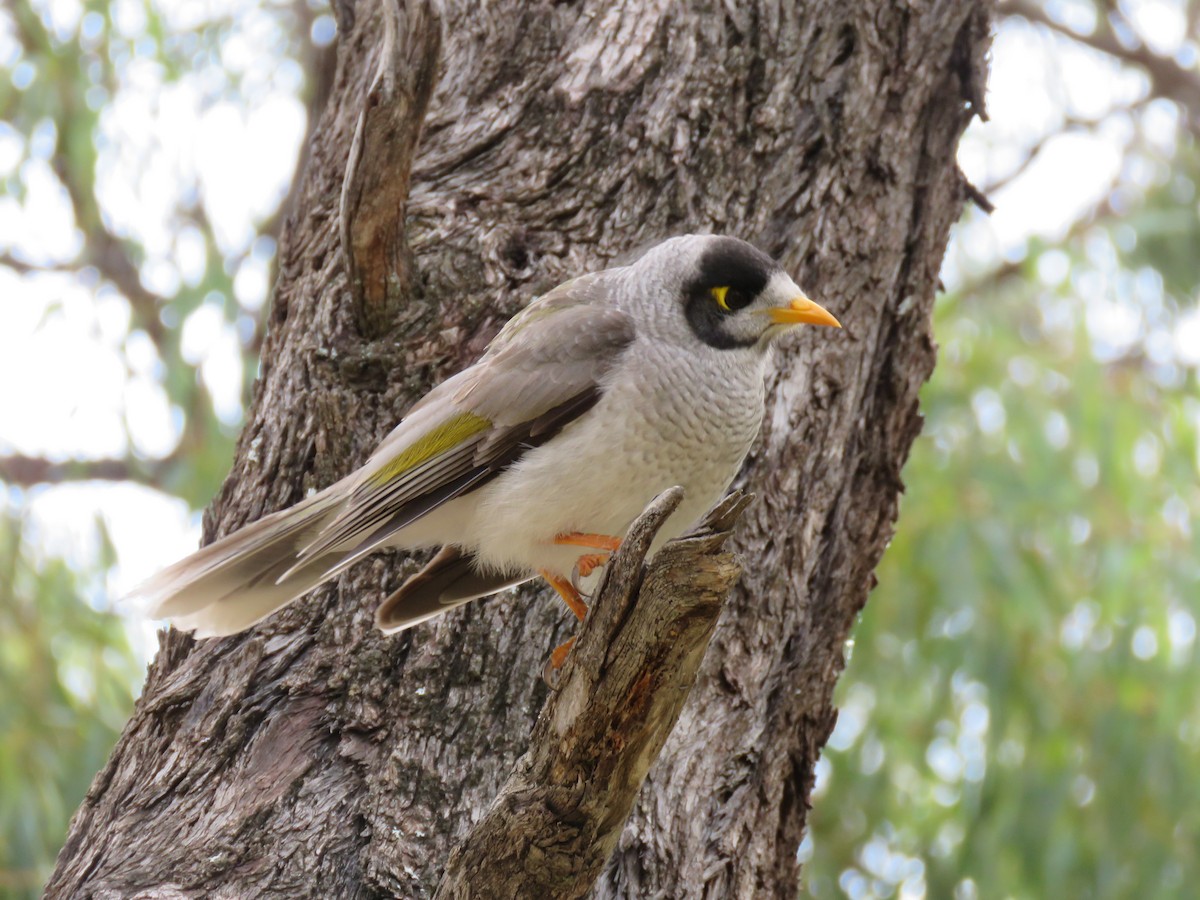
(567, 591)
(558, 655)
(590, 562)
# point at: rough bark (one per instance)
(313, 756)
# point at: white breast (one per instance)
(666, 418)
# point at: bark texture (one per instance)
(315, 757)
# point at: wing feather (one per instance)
(544, 370)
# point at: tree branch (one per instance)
(102, 248)
(21, 267)
(26, 471)
(379, 168)
(1070, 125)
(555, 823)
(1167, 78)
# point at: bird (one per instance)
(533, 461)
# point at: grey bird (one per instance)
(536, 459)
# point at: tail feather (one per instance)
(230, 584)
(249, 604)
(241, 579)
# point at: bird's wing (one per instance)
(542, 371)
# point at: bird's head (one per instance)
(725, 292)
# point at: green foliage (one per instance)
(1019, 712)
(1164, 232)
(82, 87)
(67, 676)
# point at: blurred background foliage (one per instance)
(66, 675)
(146, 152)
(1020, 716)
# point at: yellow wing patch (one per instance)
(449, 434)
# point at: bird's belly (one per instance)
(599, 473)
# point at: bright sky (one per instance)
(71, 394)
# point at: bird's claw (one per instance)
(585, 566)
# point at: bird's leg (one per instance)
(585, 539)
(575, 603)
(569, 595)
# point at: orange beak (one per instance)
(803, 311)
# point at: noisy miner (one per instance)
(535, 460)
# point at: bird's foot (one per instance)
(553, 667)
(589, 563)
(558, 655)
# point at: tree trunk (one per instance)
(315, 757)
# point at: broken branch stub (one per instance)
(379, 167)
(556, 821)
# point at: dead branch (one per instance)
(375, 193)
(557, 820)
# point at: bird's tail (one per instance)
(231, 584)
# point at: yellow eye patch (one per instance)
(718, 294)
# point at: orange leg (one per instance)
(569, 595)
(575, 603)
(584, 539)
(590, 562)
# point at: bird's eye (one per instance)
(730, 299)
